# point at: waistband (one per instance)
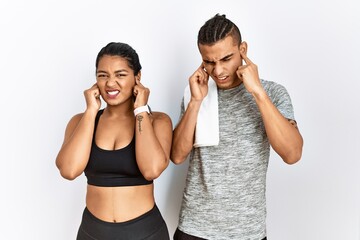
(154, 212)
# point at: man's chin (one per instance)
(227, 85)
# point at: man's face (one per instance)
(221, 60)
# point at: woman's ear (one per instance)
(138, 76)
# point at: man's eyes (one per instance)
(213, 63)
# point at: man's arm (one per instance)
(283, 134)
(184, 132)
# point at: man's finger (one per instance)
(204, 76)
(246, 59)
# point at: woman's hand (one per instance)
(92, 97)
(141, 94)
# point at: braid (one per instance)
(216, 29)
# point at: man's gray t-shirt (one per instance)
(224, 197)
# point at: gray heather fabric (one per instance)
(224, 197)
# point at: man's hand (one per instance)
(198, 82)
(248, 73)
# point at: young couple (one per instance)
(125, 146)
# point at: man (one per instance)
(224, 197)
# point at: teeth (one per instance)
(222, 78)
(113, 92)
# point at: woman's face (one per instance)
(115, 79)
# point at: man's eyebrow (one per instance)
(227, 56)
(224, 58)
(208, 61)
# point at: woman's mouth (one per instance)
(112, 93)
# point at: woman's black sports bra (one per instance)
(113, 168)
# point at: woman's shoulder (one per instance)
(77, 117)
(160, 117)
(74, 120)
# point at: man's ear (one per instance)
(243, 47)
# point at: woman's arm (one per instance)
(153, 136)
(75, 151)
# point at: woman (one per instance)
(121, 149)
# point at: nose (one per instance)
(111, 81)
(217, 69)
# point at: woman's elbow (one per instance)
(151, 175)
(156, 171)
(68, 173)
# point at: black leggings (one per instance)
(149, 226)
(179, 235)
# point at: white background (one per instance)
(47, 59)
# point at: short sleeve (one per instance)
(182, 109)
(281, 99)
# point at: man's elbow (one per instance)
(179, 154)
(293, 157)
(177, 161)
(177, 158)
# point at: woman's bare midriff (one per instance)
(119, 204)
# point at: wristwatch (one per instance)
(145, 108)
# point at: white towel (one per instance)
(207, 125)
